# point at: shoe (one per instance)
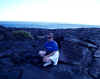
(46, 64)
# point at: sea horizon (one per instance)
(44, 25)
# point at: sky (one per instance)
(62, 11)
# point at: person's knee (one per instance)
(42, 53)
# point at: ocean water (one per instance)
(45, 25)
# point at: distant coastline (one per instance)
(44, 25)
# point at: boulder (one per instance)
(5, 34)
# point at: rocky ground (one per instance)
(79, 54)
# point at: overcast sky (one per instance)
(64, 11)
